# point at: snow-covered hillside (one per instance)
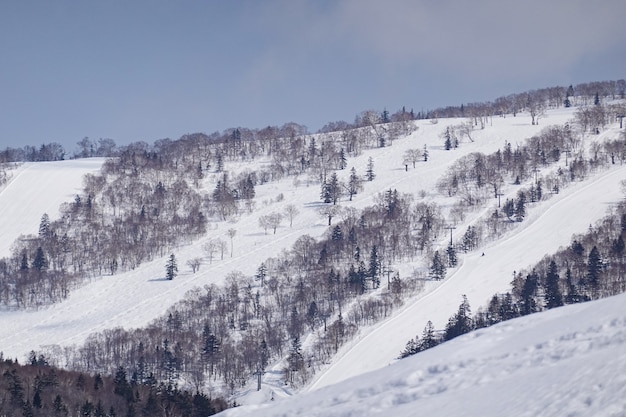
(479, 277)
(134, 298)
(36, 188)
(569, 361)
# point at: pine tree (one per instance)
(385, 116)
(325, 195)
(528, 305)
(171, 268)
(354, 183)
(452, 259)
(567, 103)
(552, 292)
(369, 173)
(374, 267)
(594, 268)
(520, 206)
(40, 263)
(461, 322)
(429, 339)
(337, 234)
(44, 227)
(334, 188)
(342, 159)
(437, 268)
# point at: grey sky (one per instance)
(150, 69)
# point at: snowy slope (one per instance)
(569, 361)
(134, 298)
(479, 277)
(36, 188)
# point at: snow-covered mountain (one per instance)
(558, 360)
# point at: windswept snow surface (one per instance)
(569, 361)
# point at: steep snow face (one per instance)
(566, 361)
(36, 188)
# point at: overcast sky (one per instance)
(151, 69)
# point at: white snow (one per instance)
(568, 361)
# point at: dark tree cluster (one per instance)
(39, 389)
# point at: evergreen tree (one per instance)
(528, 305)
(354, 183)
(552, 292)
(337, 234)
(508, 309)
(429, 338)
(385, 116)
(334, 188)
(44, 227)
(411, 348)
(594, 268)
(40, 263)
(325, 195)
(342, 159)
(520, 206)
(437, 268)
(374, 267)
(508, 208)
(573, 295)
(470, 239)
(452, 259)
(369, 172)
(171, 268)
(618, 246)
(295, 358)
(461, 322)
(24, 262)
(448, 141)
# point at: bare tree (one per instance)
(536, 105)
(329, 212)
(231, 234)
(194, 264)
(412, 156)
(274, 220)
(291, 211)
(210, 247)
(264, 222)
